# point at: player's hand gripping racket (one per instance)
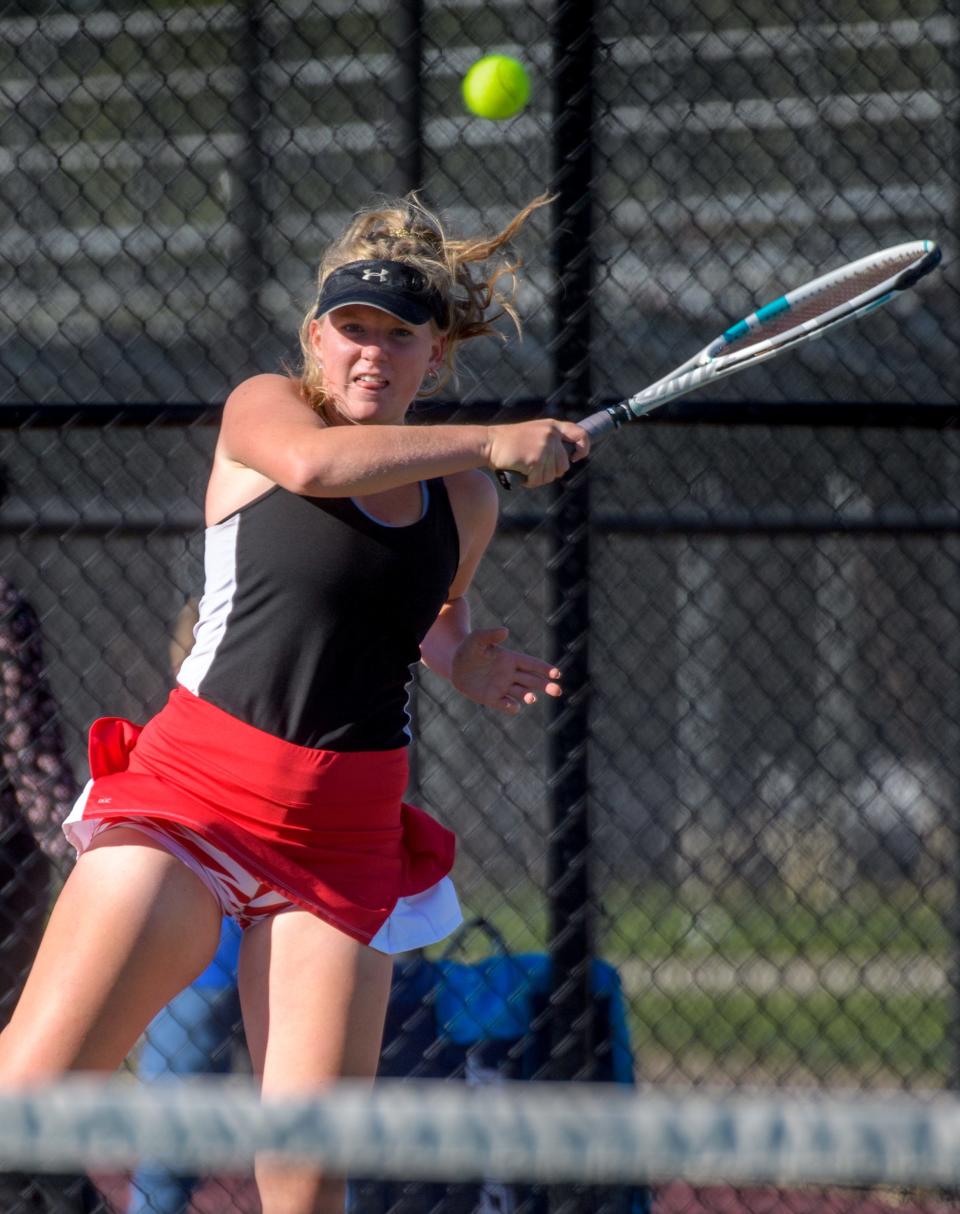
(827, 301)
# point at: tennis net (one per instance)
(556, 1133)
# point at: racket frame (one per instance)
(711, 363)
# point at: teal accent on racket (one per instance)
(809, 311)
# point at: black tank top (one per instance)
(313, 613)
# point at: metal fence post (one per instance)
(409, 156)
(568, 870)
(248, 181)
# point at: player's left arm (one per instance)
(476, 661)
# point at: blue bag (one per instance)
(477, 1022)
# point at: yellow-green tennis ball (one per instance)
(496, 87)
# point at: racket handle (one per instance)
(595, 425)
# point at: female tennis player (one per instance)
(340, 545)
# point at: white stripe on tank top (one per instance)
(220, 587)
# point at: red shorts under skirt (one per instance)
(327, 829)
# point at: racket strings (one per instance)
(820, 298)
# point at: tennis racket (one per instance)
(807, 312)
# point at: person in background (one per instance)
(37, 789)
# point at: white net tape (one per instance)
(446, 1131)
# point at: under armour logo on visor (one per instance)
(392, 286)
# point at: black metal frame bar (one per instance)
(570, 934)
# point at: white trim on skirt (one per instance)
(415, 921)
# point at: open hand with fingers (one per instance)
(486, 672)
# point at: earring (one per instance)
(431, 382)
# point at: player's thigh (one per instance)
(314, 1002)
(131, 927)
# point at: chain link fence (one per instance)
(748, 802)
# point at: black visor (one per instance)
(390, 286)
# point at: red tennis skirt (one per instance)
(327, 829)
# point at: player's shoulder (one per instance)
(474, 502)
(267, 386)
(472, 490)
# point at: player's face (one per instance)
(373, 362)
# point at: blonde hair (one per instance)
(405, 230)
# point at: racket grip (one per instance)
(508, 479)
(595, 425)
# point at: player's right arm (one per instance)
(269, 435)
